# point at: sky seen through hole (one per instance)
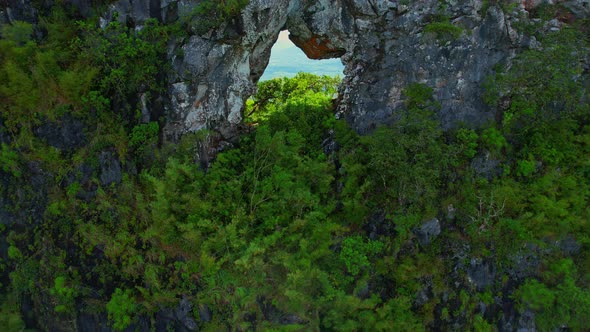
(287, 60)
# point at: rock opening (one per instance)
(288, 58)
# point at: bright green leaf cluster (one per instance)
(121, 308)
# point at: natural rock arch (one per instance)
(211, 93)
(384, 45)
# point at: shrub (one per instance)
(526, 167)
(9, 161)
(10, 316)
(543, 84)
(535, 295)
(467, 140)
(493, 139)
(65, 295)
(130, 60)
(418, 95)
(143, 135)
(17, 32)
(356, 252)
(14, 253)
(121, 308)
(443, 30)
(210, 14)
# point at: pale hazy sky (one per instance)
(284, 36)
(287, 60)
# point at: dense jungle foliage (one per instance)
(303, 226)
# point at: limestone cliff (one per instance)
(385, 45)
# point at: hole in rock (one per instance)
(286, 60)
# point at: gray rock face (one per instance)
(569, 246)
(92, 323)
(523, 322)
(580, 8)
(379, 225)
(428, 231)
(83, 176)
(525, 263)
(526, 323)
(481, 274)
(183, 315)
(110, 168)
(215, 73)
(17, 10)
(67, 134)
(486, 166)
(179, 318)
(4, 137)
(7, 218)
(205, 313)
(384, 64)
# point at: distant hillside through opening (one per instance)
(287, 60)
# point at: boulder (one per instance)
(428, 231)
(65, 134)
(486, 166)
(481, 274)
(110, 168)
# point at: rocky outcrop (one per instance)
(428, 231)
(66, 134)
(385, 46)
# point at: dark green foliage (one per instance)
(210, 14)
(401, 166)
(19, 32)
(144, 134)
(537, 77)
(9, 161)
(10, 317)
(536, 296)
(143, 141)
(525, 167)
(129, 60)
(443, 29)
(304, 223)
(467, 139)
(493, 140)
(355, 253)
(418, 96)
(563, 304)
(274, 94)
(120, 308)
(65, 295)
